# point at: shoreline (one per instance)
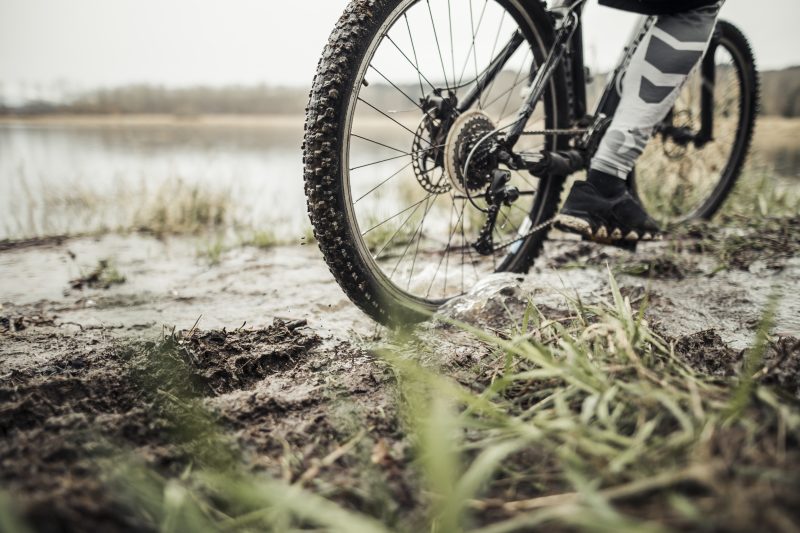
(161, 120)
(771, 131)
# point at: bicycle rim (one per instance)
(415, 223)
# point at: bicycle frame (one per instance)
(567, 52)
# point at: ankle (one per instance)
(606, 184)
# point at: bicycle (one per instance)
(428, 167)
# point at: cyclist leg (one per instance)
(601, 207)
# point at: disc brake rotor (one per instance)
(426, 157)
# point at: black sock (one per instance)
(607, 184)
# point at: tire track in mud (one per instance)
(258, 392)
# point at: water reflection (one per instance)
(82, 176)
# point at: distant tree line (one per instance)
(780, 96)
(154, 99)
(780, 92)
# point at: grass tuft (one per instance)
(103, 276)
(178, 208)
(263, 239)
(584, 417)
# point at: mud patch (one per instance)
(226, 361)
(663, 267)
(250, 392)
(12, 323)
(782, 366)
(706, 352)
(766, 243)
(15, 318)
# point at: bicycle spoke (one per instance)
(463, 243)
(494, 49)
(379, 143)
(472, 49)
(447, 251)
(438, 48)
(392, 119)
(416, 252)
(387, 180)
(379, 162)
(452, 48)
(509, 221)
(411, 241)
(414, 50)
(507, 91)
(466, 246)
(373, 228)
(419, 72)
(518, 208)
(401, 91)
(404, 154)
(391, 239)
(527, 182)
(516, 78)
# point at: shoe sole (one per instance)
(574, 224)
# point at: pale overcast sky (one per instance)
(88, 43)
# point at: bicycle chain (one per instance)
(520, 238)
(573, 132)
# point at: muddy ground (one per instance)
(267, 342)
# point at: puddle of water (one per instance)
(167, 284)
(731, 302)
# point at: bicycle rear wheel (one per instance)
(681, 181)
(388, 132)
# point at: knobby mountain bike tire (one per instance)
(368, 40)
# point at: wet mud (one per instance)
(268, 390)
(265, 345)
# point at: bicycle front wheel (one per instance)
(677, 179)
(401, 98)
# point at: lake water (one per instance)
(74, 176)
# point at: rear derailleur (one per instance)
(497, 195)
(544, 165)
